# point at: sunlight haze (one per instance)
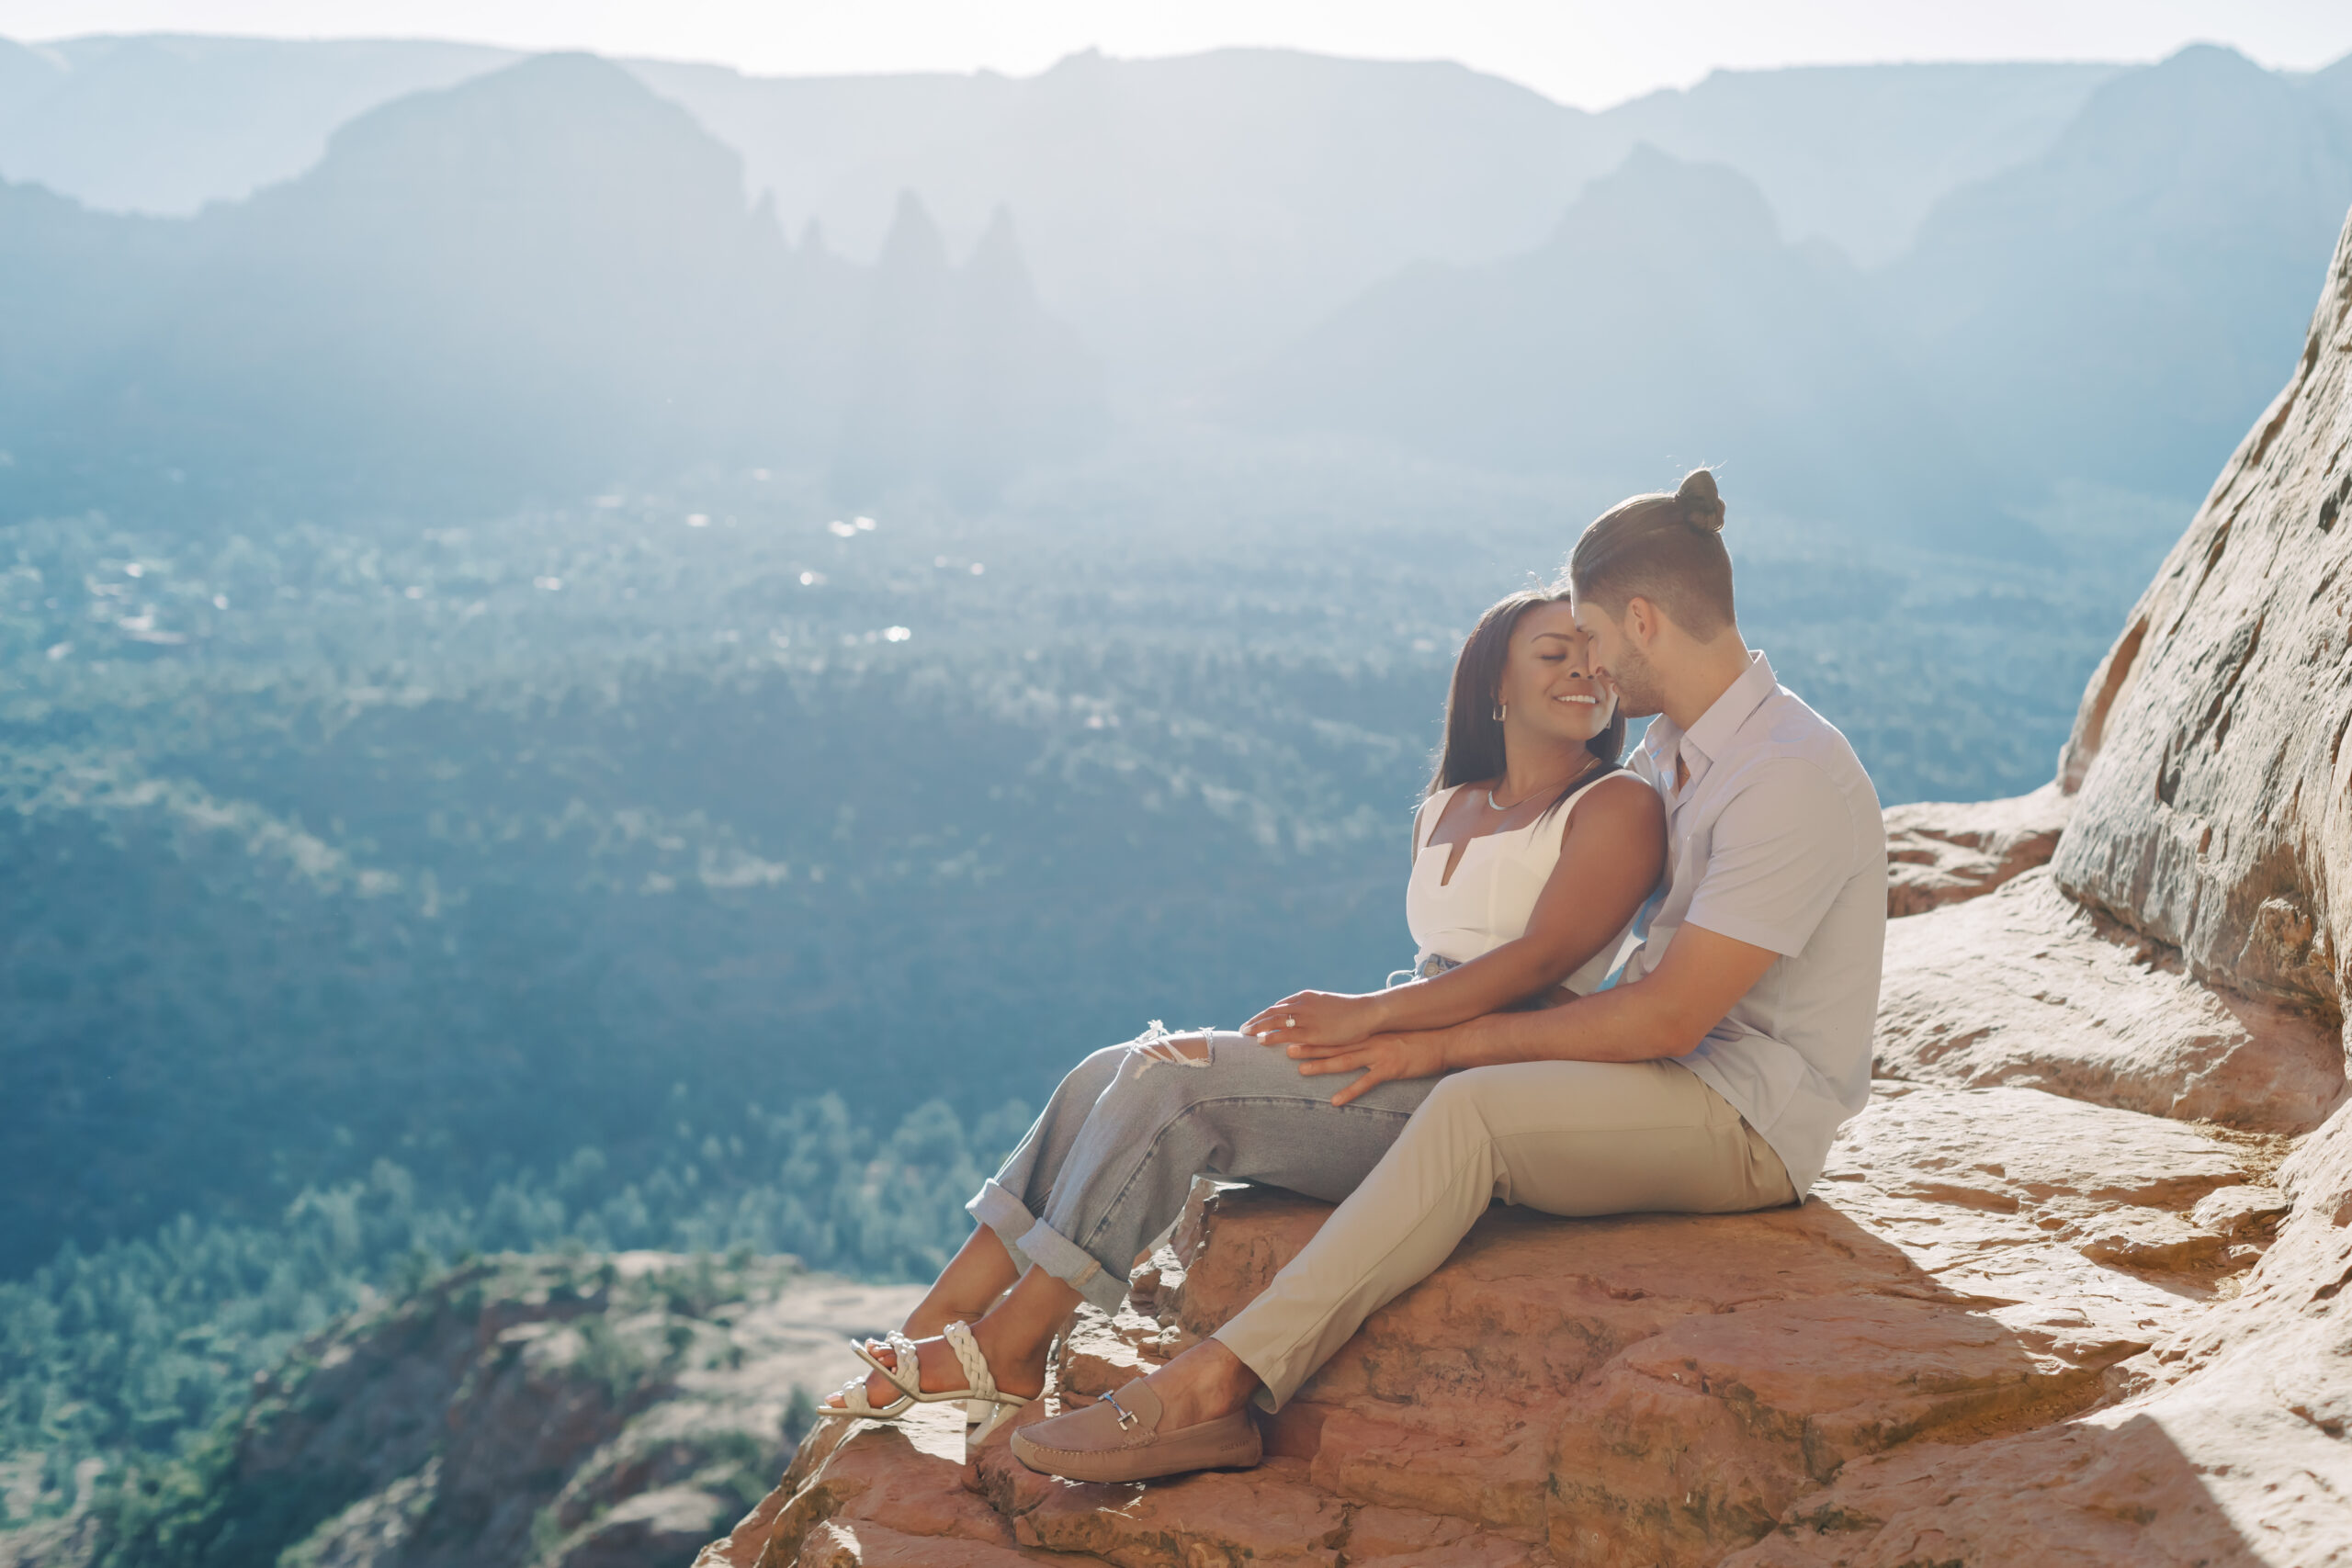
(1586, 54)
(632, 634)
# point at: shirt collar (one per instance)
(1710, 735)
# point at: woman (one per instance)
(1532, 852)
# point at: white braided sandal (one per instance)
(986, 1406)
(906, 1377)
(900, 1345)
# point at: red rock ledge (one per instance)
(2006, 1320)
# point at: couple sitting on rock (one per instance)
(1639, 989)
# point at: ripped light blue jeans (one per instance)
(1107, 1167)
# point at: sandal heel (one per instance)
(982, 1417)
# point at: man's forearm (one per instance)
(1492, 981)
(1664, 1014)
(1609, 1026)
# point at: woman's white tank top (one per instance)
(1493, 889)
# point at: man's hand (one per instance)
(1383, 1057)
(1317, 1017)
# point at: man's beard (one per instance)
(1640, 694)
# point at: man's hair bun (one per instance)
(1701, 506)
(1668, 548)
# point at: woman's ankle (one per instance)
(1018, 1363)
(929, 1321)
(973, 1282)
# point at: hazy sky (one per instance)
(1590, 52)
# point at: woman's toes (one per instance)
(879, 1391)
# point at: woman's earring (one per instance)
(1502, 712)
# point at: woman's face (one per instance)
(1548, 684)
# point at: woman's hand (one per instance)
(1381, 1057)
(1318, 1018)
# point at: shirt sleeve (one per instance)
(1782, 849)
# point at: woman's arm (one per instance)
(1613, 854)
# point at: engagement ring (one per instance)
(1290, 1023)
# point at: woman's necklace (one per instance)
(1497, 806)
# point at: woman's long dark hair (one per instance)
(1474, 736)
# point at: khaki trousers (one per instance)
(1566, 1137)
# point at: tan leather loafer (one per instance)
(1121, 1439)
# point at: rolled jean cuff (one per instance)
(1030, 1240)
(1005, 1215)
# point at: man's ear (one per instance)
(1641, 622)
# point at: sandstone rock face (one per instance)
(2235, 1454)
(2213, 811)
(1939, 853)
(2027, 987)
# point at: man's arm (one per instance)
(1779, 851)
(1664, 1013)
(1611, 855)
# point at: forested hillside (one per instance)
(703, 869)
(379, 840)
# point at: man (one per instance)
(1708, 1076)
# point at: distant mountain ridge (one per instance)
(2094, 272)
(161, 124)
(1860, 154)
(1180, 211)
(544, 279)
(1664, 326)
(2117, 310)
(1185, 211)
(2111, 313)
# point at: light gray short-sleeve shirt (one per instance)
(1776, 841)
